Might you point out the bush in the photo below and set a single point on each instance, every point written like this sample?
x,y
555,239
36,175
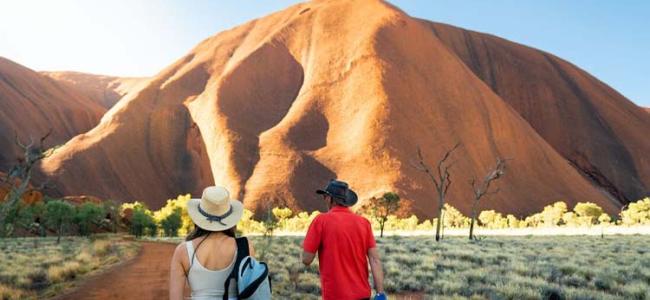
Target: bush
x,y
143,222
588,213
58,215
493,220
247,225
112,211
65,272
30,218
637,213
454,218
172,205
172,223
88,215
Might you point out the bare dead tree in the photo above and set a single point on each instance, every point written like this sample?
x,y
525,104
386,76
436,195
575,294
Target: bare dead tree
x,y
440,177
482,189
20,176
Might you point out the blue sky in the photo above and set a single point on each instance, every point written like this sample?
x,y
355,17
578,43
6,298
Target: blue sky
x,y
610,39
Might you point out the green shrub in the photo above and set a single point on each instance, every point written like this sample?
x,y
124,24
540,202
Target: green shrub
x,y
28,215
88,215
143,223
172,223
59,215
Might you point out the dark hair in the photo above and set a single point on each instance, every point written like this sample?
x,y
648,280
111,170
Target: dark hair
x,y
334,200
198,232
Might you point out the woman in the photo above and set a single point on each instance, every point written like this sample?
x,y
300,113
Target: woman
x,y
208,254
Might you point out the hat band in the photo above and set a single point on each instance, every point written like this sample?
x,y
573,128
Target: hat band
x,y
215,218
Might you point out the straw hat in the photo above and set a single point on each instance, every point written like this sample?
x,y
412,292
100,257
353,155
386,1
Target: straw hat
x,y
215,211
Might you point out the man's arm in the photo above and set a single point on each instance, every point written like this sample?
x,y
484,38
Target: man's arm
x,y
312,241
376,268
308,258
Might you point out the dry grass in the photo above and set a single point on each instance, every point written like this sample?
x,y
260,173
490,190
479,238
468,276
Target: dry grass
x,y
495,267
38,267
572,267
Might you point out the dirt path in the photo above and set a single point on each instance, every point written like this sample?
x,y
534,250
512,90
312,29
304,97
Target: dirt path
x,y
144,277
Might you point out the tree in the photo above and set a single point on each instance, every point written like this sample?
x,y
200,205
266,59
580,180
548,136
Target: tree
x,y
172,223
142,222
58,215
382,207
30,216
637,213
588,213
440,177
170,206
88,215
552,215
483,188
19,178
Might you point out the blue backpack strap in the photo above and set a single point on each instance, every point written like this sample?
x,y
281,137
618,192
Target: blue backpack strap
x,y
242,251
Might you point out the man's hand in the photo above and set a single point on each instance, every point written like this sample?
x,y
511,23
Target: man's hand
x,y
308,258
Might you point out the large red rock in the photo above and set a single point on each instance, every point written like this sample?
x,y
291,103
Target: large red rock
x,y
105,90
275,107
600,132
31,104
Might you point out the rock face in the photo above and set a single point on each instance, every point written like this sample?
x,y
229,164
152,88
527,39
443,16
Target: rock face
x,y
105,90
31,104
274,108
30,196
600,132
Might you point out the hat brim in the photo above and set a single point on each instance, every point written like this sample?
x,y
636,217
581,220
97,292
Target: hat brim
x,y
350,198
202,221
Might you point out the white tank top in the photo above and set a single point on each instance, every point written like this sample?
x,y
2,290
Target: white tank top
x,y
208,284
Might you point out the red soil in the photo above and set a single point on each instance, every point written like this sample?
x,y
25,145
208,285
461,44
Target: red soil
x,y
144,277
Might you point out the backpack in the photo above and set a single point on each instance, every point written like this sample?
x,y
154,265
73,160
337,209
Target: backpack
x,y
251,276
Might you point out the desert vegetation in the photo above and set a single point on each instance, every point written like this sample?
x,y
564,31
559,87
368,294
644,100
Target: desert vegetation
x,y
387,213
35,267
529,267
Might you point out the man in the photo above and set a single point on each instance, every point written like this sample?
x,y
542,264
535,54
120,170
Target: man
x,y
345,245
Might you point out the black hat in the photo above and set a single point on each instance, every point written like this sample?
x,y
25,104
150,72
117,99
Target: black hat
x,y
340,191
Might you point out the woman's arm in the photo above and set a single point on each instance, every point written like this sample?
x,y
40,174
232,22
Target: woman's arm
x,y
177,275
251,250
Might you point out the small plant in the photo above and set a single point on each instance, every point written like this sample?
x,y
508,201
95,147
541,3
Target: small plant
x,y
270,224
172,223
59,215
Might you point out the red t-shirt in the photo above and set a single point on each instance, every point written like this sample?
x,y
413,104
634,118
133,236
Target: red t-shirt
x,y
342,240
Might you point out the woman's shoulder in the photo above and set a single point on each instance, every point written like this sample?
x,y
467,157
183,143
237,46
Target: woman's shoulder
x,y
181,247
